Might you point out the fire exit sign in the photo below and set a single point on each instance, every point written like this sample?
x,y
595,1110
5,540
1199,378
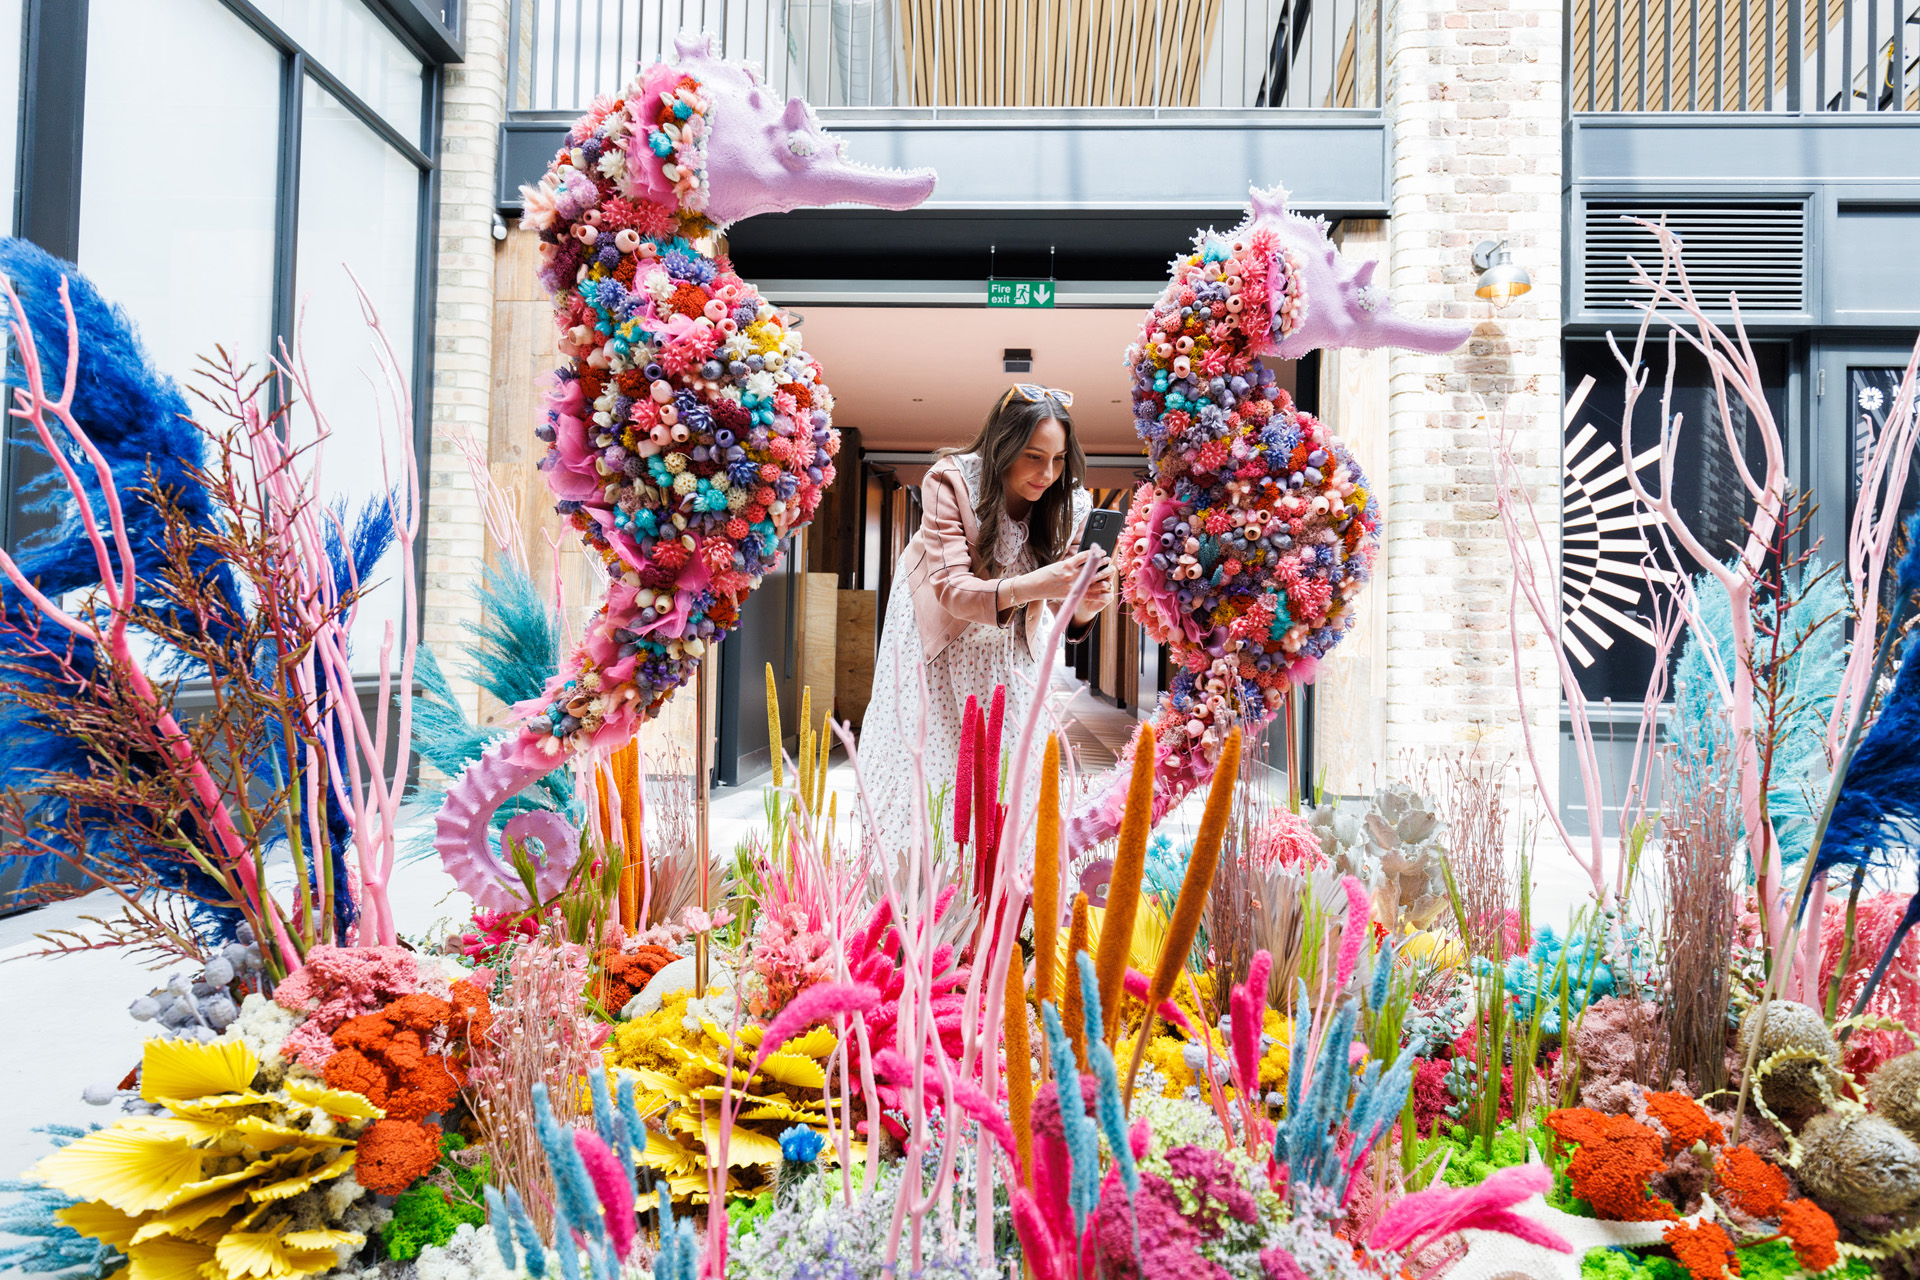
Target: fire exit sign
x,y
1020,293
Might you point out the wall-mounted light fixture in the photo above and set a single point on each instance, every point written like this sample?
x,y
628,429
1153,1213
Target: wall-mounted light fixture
x,y
1500,281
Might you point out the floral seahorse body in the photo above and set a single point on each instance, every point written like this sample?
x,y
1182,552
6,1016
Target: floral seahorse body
x,y
1245,551
688,432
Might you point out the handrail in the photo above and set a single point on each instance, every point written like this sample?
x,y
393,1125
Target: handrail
x,y
1743,56
969,54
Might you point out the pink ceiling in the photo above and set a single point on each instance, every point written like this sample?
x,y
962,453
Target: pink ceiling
x,y
918,378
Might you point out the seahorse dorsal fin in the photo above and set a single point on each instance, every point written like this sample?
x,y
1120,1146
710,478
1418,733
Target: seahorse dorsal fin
x,y
693,44
1271,203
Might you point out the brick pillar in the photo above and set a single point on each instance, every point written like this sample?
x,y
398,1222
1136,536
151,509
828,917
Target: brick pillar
x,y
1474,94
463,333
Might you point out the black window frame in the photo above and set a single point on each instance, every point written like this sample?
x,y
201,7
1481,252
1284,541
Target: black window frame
x,y
52,134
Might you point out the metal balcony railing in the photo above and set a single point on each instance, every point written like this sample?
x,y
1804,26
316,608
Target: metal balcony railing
x,y
1743,55
965,54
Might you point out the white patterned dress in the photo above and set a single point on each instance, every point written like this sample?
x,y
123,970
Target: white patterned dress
x,y
974,663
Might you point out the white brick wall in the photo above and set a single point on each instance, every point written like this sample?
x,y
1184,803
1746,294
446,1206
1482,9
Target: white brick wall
x,y
463,330
1474,92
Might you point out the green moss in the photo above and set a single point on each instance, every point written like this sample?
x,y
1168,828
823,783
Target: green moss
x,y
744,1216
1773,1260
1467,1162
425,1215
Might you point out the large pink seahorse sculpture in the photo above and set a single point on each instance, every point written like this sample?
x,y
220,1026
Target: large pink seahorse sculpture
x,y
688,432
1245,551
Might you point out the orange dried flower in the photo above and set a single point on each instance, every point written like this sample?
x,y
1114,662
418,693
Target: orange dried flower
x,y
625,974
1811,1231
1617,1155
1685,1120
1750,1183
394,1154
1703,1249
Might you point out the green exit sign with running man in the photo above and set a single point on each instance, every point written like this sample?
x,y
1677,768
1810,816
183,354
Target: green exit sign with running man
x,y
1020,293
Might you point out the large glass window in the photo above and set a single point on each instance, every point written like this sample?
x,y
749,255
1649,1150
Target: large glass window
x,y
10,73
359,213
179,175
348,40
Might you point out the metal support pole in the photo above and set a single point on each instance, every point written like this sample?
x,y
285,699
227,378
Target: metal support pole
x,y
702,777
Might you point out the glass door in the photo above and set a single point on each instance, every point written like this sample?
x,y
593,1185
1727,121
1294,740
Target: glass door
x,y
1855,384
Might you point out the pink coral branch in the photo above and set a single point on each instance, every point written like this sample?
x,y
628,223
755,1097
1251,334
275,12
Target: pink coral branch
x,y
33,406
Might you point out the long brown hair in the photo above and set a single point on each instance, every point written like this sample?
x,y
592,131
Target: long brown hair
x,y
1002,438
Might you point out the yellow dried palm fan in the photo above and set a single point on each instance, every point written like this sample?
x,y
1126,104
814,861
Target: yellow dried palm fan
x,y
1149,941
193,1193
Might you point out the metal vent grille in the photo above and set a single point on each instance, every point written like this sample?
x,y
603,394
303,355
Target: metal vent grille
x,y
1755,249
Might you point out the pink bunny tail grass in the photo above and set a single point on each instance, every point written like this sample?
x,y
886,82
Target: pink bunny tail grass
x,y
1354,936
1418,1220
610,1183
967,1097
815,1004
1138,985
1248,1003
1037,1244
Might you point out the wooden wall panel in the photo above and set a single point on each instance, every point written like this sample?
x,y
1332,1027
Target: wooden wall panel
x,y
1350,692
1077,53
854,642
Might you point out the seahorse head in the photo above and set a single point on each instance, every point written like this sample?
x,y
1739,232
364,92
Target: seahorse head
x,y
766,155
1319,299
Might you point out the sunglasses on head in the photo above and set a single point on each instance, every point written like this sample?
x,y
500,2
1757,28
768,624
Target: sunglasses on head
x,y
1035,394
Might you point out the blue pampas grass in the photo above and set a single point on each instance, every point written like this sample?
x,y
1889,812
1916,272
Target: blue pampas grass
x,y
512,654
1816,622
1877,815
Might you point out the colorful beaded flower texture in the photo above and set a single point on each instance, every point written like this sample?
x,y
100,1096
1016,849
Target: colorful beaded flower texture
x,y
1258,530
688,431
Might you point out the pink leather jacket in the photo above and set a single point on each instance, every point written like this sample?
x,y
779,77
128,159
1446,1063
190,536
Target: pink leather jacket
x,y
939,567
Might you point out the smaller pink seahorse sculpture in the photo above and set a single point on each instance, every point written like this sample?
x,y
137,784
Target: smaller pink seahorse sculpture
x,y
1244,553
688,431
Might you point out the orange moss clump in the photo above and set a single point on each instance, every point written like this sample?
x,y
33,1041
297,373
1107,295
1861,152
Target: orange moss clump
x,y
394,1154
409,1059
625,974
1750,1183
1703,1249
1813,1235
1685,1120
1616,1157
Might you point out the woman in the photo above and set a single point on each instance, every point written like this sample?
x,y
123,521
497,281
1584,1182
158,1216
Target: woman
x,y
969,607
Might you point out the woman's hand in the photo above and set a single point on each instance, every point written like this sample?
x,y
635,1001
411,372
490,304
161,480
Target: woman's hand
x,y
1099,596
1052,582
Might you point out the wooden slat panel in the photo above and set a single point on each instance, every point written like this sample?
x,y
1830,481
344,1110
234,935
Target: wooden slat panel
x,y
1076,53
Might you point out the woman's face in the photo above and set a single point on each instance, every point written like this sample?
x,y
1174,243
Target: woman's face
x,y
1040,463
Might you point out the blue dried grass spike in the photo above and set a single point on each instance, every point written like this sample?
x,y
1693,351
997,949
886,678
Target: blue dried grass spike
x,y
530,1241
1382,977
576,1204
1082,1135
1113,1115
502,1223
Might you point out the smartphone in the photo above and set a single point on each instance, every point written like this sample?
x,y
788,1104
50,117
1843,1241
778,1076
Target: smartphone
x,y
1103,530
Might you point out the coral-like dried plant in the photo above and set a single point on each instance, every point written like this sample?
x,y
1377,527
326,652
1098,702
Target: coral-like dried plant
x,y
1702,916
540,1034
1472,802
